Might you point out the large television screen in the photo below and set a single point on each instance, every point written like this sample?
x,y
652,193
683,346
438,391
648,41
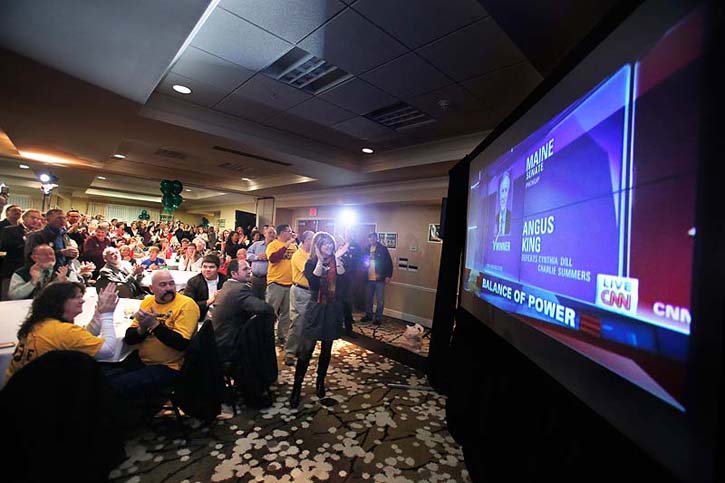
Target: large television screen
x,y
581,216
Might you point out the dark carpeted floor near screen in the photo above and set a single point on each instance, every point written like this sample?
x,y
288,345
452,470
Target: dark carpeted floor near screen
x,y
365,430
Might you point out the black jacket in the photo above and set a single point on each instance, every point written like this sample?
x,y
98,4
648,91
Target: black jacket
x,y
12,241
200,387
234,305
255,360
197,289
60,407
383,262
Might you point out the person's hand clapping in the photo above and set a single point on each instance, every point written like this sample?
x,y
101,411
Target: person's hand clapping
x,y
69,252
138,269
61,274
87,269
107,299
35,273
146,320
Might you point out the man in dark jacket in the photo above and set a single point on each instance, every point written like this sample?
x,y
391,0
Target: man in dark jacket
x,y
235,304
53,235
379,268
12,242
94,246
204,288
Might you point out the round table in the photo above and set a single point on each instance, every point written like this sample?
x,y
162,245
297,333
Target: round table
x,y
180,277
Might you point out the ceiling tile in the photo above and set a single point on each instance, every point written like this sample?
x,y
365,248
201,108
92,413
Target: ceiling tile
x,y
353,43
275,94
308,129
407,76
362,128
202,66
201,93
504,89
236,40
473,51
322,112
292,20
429,20
358,96
246,108
462,109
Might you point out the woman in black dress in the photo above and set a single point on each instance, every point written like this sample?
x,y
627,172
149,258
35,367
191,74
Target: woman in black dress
x,y
323,316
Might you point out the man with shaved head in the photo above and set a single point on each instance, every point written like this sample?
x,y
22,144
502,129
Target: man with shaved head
x,y
161,331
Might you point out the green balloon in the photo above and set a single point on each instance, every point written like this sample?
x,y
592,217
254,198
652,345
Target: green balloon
x,y
177,199
177,187
166,186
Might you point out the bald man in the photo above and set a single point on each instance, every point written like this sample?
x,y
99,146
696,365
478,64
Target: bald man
x,y
161,331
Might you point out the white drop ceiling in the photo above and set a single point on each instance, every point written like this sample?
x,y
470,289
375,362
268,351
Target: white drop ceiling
x,y
89,79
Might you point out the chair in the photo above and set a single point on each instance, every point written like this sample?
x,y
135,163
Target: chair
x,y
255,360
60,415
199,390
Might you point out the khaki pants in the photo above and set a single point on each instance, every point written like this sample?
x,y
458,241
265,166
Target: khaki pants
x,y
278,297
298,299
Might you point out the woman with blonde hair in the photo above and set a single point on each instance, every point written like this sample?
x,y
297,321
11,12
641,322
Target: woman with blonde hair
x,y
323,315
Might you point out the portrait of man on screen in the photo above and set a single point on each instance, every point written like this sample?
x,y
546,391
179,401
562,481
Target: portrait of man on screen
x,y
502,220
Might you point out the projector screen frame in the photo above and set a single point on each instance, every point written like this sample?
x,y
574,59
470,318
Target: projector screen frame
x,y
684,442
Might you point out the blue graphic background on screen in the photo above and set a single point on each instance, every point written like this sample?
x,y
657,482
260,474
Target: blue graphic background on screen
x,y
587,159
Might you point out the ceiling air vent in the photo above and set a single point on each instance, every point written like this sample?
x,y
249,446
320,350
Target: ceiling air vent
x,y
168,153
304,71
400,116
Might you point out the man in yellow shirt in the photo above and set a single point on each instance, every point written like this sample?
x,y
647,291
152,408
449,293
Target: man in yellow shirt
x,y
279,277
162,330
298,298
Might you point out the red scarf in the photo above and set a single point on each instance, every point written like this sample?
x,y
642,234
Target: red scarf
x,y
327,284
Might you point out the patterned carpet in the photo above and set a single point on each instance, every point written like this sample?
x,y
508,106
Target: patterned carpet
x,y
363,431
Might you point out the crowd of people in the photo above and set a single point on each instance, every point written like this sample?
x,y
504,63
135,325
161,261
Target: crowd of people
x,y
299,284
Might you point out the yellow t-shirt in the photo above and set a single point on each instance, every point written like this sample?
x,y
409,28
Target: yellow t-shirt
x,y
51,335
180,315
371,268
280,272
298,267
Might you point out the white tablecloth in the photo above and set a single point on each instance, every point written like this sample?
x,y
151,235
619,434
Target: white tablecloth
x,y
14,312
179,277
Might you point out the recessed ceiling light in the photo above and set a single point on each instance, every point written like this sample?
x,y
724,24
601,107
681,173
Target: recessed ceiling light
x,y
187,189
101,177
367,151
181,89
23,166
246,179
119,156
44,178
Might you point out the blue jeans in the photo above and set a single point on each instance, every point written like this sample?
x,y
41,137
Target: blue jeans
x,y
376,290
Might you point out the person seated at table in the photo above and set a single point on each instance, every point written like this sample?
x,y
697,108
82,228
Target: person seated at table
x,y
154,261
181,249
127,261
50,326
127,282
161,331
234,305
28,281
166,250
191,260
203,288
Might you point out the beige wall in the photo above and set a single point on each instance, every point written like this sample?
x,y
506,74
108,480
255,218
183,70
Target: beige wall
x,y
410,295
227,213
